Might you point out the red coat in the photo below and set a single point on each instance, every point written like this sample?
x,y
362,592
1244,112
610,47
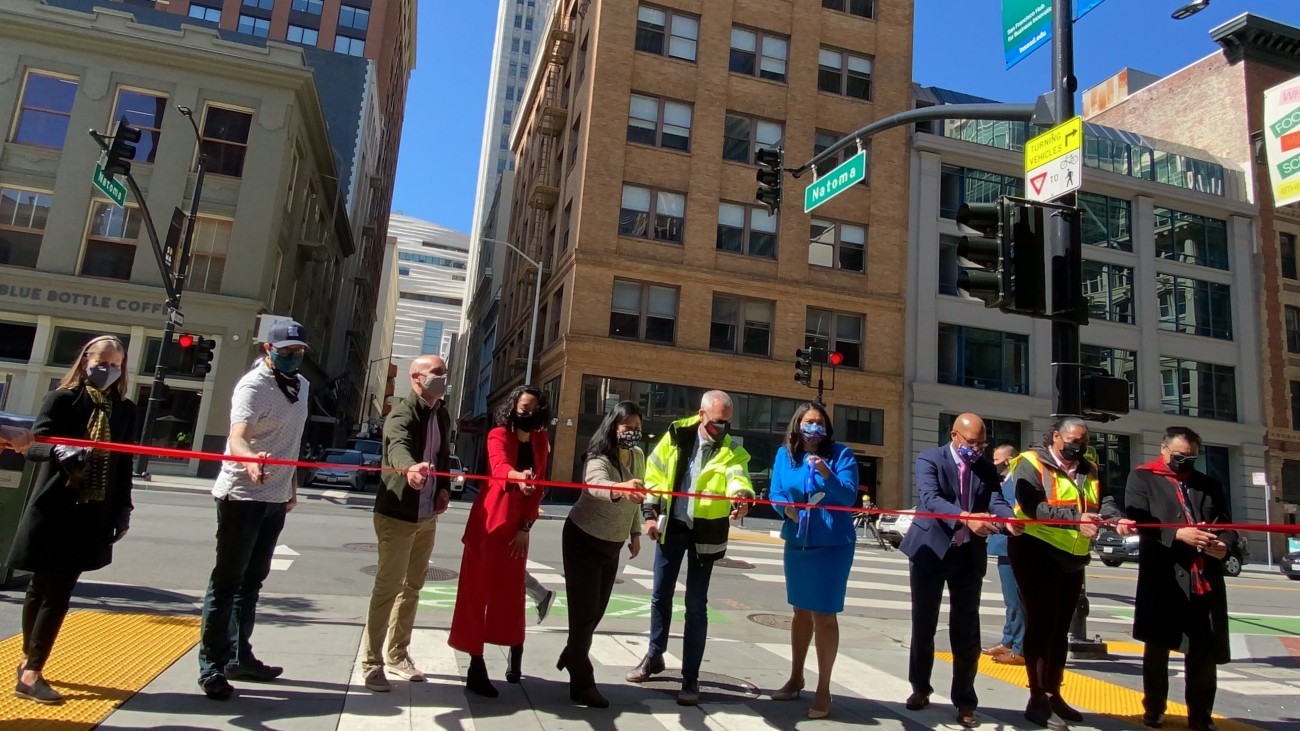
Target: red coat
x,y
490,591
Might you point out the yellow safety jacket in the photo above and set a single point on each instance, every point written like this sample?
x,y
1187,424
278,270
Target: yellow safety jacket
x,y
1062,491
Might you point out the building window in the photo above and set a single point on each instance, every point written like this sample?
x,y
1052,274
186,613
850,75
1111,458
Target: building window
x,y
998,431
659,122
746,230
110,242
208,254
640,311
144,111
299,34
654,25
1109,291
225,139
438,261
16,340
1190,238
1117,362
1215,461
843,73
836,332
1286,243
860,8
1114,460
1291,481
837,246
1295,405
557,307
66,344
859,426
1106,221
45,109
23,214
988,359
966,185
1204,390
359,19
432,299
204,12
743,136
313,7
431,341
742,326
1293,329
758,54
254,26
823,140
403,271
1194,307
349,46
663,222
264,4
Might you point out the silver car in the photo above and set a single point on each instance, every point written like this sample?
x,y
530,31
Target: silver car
x,y
345,474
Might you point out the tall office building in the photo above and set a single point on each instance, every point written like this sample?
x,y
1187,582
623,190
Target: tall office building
x,y
661,277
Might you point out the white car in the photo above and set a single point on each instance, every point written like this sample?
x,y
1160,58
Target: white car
x,y
893,526
457,476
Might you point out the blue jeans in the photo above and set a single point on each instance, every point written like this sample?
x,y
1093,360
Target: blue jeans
x,y
247,532
1013,630
678,544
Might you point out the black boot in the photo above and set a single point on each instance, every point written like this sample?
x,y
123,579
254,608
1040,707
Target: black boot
x,y
476,680
563,662
513,673
587,696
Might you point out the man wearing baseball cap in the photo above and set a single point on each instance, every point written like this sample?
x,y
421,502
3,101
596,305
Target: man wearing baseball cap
x,y
267,413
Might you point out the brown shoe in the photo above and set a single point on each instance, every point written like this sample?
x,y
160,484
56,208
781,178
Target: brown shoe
x,y
966,718
994,651
1009,658
917,701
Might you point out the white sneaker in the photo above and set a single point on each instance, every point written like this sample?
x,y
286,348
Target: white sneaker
x,y
406,670
544,606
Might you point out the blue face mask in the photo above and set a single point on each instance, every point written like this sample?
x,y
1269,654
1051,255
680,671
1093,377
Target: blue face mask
x,y
286,362
969,454
812,433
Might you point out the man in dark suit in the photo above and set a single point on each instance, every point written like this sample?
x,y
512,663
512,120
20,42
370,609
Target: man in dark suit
x,y
957,480
1182,603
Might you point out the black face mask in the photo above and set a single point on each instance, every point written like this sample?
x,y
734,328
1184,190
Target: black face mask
x,y
1181,462
717,430
1072,452
528,422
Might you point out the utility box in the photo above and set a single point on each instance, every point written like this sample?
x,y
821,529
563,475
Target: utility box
x,y
16,475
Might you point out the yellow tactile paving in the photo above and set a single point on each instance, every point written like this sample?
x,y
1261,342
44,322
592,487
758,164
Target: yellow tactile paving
x,y
1098,696
99,661
744,535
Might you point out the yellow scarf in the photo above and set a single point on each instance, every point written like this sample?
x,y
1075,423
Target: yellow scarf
x,y
94,488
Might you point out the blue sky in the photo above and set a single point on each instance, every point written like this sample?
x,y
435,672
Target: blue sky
x,y
958,46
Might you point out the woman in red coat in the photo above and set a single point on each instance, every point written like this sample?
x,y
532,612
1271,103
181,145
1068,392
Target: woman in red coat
x,y
490,594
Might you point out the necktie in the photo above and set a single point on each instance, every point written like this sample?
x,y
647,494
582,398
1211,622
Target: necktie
x,y
963,500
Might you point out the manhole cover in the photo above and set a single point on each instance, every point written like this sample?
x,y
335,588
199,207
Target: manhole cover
x,y
732,563
433,573
714,688
361,546
775,621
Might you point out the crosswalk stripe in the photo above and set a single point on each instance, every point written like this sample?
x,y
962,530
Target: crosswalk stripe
x,y
611,651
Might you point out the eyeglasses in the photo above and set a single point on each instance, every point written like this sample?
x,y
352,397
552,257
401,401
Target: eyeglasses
x,y
972,442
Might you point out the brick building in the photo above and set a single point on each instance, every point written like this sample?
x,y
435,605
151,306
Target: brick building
x,y
1216,104
661,278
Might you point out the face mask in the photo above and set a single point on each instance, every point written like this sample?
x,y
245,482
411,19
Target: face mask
x,y
102,376
528,422
286,362
1072,452
969,454
1181,462
1003,469
717,430
434,387
813,434
630,438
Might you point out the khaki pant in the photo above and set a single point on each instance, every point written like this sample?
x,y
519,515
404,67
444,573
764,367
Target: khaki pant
x,y
404,550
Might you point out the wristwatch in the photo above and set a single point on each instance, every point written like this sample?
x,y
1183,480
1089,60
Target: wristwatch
x,y
527,526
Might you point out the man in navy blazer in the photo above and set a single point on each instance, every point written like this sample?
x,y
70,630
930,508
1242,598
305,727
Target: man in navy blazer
x,y
958,480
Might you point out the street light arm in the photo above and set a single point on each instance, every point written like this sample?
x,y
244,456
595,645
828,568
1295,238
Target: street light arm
x,y
515,249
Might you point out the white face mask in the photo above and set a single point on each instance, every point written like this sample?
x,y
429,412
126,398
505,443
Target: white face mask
x,y
434,387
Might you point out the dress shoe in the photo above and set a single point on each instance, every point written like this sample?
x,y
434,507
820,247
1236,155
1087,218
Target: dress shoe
x,y
476,680
1153,720
966,718
1201,724
1039,712
789,691
689,695
917,701
589,697
994,651
1063,709
216,687
1009,658
648,666
39,691
514,672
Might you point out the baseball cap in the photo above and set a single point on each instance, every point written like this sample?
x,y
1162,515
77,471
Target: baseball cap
x,y
286,333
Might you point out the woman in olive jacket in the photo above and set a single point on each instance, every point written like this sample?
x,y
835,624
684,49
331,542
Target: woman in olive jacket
x,y
80,504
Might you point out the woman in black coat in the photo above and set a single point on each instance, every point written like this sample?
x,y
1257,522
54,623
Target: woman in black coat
x,y
80,504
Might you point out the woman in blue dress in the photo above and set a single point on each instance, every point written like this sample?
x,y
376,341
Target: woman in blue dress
x,y
819,544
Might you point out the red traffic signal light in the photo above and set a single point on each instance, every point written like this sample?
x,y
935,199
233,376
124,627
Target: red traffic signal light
x,y
186,341
837,359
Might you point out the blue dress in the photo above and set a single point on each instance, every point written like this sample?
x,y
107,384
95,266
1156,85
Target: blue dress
x,y
817,563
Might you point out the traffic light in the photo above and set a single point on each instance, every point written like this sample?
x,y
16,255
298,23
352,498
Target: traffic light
x,y
1024,277
122,150
979,252
836,359
770,175
203,348
803,360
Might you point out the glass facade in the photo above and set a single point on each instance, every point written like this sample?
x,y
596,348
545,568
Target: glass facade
x,y
1192,239
1114,462
966,185
1117,362
1195,307
1205,390
1109,291
997,431
987,359
1107,222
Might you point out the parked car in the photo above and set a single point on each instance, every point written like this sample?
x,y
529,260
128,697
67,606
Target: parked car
x,y
893,526
371,451
1290,565
1114,549
457,477
344,475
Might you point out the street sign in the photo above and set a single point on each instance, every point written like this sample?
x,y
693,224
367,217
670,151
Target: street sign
x,y
1054,161
171,247
1282,140
1259,479
844,176
115,191
1027,24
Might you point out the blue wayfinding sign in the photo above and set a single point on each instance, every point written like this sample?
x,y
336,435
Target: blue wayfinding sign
x,y
1027,24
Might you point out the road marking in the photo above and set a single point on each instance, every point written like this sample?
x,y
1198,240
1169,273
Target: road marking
x,y
335,494
285,551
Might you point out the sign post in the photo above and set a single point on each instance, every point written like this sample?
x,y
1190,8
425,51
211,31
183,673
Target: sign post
x,y
844,176
1282,140
1054,162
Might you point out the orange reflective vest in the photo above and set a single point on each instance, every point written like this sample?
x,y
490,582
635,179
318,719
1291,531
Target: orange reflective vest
x,y
1062,491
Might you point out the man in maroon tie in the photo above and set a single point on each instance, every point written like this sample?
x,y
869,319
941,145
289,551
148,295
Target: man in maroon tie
x,y
955,479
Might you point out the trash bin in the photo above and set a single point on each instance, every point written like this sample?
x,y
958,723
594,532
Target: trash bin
x,y
16,475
